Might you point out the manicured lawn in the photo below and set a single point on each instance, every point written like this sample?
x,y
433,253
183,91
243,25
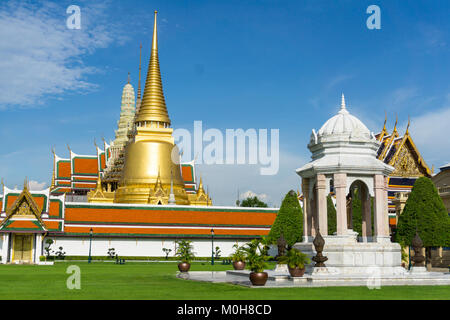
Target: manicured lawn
x,y
105,280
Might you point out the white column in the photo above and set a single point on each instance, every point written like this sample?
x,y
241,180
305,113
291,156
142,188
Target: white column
x,y
381,224
312,214
38,246
321,203
366,214
5,247
340,185
306,209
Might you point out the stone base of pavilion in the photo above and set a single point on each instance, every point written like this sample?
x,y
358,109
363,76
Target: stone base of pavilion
x,y
373,264
347,256
322,279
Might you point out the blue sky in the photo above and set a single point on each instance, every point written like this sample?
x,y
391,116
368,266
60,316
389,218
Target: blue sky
x,y
231,64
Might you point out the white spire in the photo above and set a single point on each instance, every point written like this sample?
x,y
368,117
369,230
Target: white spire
x,y
343,108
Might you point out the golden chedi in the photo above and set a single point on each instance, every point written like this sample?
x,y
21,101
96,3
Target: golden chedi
x,y
149,174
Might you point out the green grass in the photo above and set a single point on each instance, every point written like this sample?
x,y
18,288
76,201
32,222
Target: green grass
x,y
103,280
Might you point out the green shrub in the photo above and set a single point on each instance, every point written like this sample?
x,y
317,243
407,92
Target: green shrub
x,y
289,221
331,213
425,212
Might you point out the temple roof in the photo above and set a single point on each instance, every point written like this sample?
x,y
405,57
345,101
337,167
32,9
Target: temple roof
x,y
394,147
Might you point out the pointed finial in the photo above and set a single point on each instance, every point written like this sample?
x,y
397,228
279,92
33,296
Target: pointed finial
x,y
343,107
128,77
385,120
153,105
68,147
25,184
409,122
432,169
3,184
200,186
99,183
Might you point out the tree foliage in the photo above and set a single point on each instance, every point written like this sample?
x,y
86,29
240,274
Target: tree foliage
x,y
425,212
331,214
357,212
253,202
289,221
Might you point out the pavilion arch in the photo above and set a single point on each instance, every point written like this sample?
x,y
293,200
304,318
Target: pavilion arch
x,y
360,189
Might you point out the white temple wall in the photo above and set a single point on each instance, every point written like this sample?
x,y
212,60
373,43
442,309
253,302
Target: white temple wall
x,y
77,246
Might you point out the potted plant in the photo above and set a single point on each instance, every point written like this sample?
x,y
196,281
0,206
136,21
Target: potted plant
x,y
60,255
256,257
238,258
186,254
48,249
111,253
296,261
167,252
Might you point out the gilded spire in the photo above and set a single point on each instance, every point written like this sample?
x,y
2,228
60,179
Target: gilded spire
x,y
153,105
200,186
395,125
99,184
25,184
407,127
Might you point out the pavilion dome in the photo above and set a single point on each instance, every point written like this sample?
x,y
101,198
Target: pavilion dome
x,y
344,124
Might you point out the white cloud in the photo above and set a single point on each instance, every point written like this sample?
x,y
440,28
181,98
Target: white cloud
x,y
338,80
250,194
36,186
402,95
430,134
40,56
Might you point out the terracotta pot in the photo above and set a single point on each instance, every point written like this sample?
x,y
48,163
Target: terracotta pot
x,y
184,266
258,278
297,272
239,265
